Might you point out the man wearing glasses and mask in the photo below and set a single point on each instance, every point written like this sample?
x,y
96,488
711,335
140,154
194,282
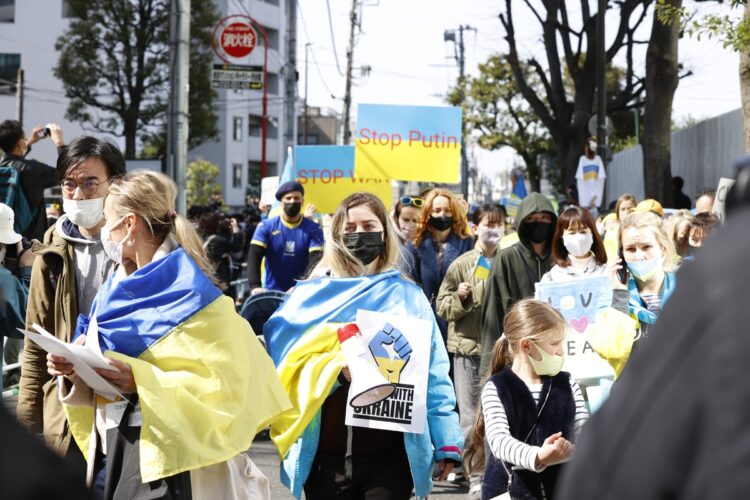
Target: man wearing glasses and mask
x,y
70,268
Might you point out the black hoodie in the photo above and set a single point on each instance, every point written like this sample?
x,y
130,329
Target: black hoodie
x,y
514,273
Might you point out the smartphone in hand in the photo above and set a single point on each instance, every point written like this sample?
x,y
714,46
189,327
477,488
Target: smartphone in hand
x,y
622,274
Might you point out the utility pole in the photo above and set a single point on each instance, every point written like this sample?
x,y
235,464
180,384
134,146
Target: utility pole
x,y
450,36
19,96
601,89
349,64
307,50
177,127
291,75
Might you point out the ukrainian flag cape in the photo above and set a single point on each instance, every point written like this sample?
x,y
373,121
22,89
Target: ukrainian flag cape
x,y
302,340
205,384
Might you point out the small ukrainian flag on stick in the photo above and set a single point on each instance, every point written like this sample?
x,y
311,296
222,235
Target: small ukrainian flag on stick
x,y
482,268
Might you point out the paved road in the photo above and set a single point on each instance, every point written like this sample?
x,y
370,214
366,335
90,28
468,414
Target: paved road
x,y
264,455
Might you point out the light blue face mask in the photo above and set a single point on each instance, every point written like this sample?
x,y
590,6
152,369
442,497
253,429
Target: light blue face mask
x,y
644,270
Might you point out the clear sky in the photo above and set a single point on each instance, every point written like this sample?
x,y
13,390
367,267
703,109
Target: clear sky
x,y
402,42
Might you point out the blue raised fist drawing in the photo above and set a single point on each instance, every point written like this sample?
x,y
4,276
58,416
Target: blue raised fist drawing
x,y
390,367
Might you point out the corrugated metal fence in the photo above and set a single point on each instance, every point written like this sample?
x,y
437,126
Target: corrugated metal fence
x,y
701,154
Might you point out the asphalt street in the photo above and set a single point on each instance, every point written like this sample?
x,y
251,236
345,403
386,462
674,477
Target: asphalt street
x,y
263,453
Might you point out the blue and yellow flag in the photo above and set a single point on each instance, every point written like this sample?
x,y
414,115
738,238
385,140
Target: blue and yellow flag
x,y
302,341
482,268
205,384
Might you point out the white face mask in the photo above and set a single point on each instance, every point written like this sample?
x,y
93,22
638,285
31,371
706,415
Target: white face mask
x,y
491,236
592,146
113,249
84,213
579,244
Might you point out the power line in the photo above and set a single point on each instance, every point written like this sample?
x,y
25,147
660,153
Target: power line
x,y
333,41
312,52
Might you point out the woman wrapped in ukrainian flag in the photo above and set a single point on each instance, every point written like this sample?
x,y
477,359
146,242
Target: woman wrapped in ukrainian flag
x,y
198,383
320,453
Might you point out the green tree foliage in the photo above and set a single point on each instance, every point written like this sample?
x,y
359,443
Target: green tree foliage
x,y
201,182
114,66
498,116
731,30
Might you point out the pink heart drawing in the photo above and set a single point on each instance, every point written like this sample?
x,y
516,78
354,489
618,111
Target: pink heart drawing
x,y
580,324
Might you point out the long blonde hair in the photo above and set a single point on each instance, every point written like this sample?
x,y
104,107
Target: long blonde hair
x,y
340,259
151,196
651,221
527,319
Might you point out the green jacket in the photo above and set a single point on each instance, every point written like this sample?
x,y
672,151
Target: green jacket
x,y
464,319
514,273
53,304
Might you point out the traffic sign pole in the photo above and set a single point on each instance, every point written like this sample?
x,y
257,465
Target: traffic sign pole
x,y
240,43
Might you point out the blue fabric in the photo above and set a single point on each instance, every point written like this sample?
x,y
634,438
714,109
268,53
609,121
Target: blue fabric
x,y
337,300
287,250
638,308
135,311
428,274
519,189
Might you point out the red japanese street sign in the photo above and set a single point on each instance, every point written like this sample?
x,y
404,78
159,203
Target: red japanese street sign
x,y
238,39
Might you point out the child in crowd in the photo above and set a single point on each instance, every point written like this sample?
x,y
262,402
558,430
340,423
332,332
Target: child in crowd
x,y
530,409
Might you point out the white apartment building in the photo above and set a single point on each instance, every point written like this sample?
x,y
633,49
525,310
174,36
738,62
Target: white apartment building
x,y
30,28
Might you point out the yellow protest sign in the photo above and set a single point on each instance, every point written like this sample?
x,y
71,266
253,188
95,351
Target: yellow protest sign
x,y
409,143
327,174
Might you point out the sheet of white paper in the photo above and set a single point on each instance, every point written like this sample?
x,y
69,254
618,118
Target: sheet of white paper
x,y
89,353
71,353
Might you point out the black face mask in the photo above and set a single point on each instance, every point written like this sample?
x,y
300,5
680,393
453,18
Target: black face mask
x,y
440,223
292,209
365,246
538,232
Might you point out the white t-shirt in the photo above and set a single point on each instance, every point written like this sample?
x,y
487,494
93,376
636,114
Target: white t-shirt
x,y
590,176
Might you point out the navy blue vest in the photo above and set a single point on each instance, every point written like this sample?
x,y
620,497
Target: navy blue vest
x,y
558,415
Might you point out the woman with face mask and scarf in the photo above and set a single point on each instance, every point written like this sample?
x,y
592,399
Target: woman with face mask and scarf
x,y
443,236
648,256
321,455
190,384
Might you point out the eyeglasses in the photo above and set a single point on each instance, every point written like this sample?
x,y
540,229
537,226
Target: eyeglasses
x,y
415,202
89,187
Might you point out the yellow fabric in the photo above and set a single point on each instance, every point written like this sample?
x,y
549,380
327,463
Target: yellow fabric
x,y
81,422
205,390
508,240
611,245
612,337
308,373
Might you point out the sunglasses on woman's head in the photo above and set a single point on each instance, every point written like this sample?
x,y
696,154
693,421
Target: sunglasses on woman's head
x,y
415,202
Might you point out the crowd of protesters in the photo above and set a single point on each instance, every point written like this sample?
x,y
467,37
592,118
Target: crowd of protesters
x,y
118,269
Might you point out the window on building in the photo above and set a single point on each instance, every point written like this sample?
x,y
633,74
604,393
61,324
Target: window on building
x,y
9,65
236,175
253,173
237,128
8,11
254,125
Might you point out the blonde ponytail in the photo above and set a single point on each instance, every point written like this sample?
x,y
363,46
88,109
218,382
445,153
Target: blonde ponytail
x,y
151,196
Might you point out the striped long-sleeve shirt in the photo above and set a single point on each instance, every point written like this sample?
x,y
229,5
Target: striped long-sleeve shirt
x,y
504,446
